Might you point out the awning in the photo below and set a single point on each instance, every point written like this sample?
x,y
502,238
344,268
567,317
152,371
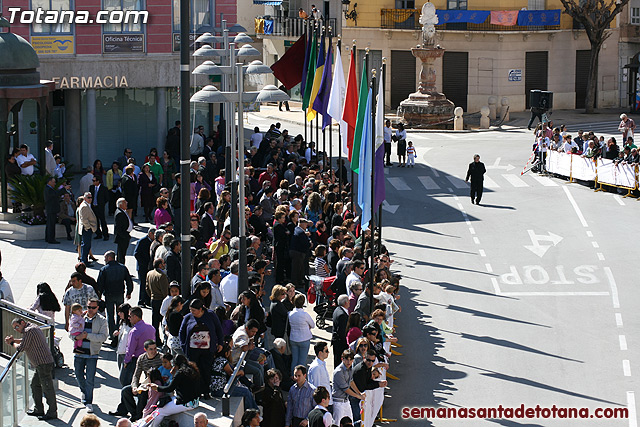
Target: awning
x,y
268,2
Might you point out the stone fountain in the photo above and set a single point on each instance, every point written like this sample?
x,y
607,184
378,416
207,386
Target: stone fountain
x,y
427,106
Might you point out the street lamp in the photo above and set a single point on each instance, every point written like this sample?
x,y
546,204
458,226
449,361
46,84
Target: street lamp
x,y
242,38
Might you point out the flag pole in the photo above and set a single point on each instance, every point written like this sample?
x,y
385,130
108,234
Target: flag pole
x,y
324,141
383,76
340,177
353,182
304,113
321,32
372,250
331,121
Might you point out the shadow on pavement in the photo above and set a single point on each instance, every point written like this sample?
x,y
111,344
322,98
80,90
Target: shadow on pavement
x,y
459,288
422,381
418,245
484,314
484,205
508,344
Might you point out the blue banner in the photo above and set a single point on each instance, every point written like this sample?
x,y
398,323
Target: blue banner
x,y
471,16
268,26
538,17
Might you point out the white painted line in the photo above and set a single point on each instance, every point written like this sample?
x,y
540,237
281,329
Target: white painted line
x,y
619,200
460,206
595,245
614,287
476,240
600,256
547,182
456,198
449,136
467,221
490,183
496,288
482,253
589,234
623,342
471,230
626,368
619,320
515,181
554,294
457,182
428,183
433,170
399,184
631,405
489,268
575,207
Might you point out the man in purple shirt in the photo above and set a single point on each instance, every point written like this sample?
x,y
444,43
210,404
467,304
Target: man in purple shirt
x,y
140,333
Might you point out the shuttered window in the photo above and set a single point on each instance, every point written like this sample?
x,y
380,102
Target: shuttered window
x,y
535,72
403,76
455,77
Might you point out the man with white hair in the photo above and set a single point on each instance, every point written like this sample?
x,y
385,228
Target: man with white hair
x,y
339,335
122,229
229,285
124,422
200,420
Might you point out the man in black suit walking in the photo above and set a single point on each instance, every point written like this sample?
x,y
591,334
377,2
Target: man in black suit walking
x,y
339,335
122,229
476,173
52,207
207,226
100,199
142,253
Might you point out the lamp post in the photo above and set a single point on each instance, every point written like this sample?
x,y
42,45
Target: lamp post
x,y
210,94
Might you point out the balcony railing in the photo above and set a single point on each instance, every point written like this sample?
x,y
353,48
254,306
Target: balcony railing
x,y
290,27
408,19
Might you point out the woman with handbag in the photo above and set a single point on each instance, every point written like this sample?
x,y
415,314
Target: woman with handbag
x,y
401,138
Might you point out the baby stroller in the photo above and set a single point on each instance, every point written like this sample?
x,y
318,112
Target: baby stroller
x,y
320,289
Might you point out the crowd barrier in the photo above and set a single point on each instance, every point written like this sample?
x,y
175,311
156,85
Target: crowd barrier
x,y
602,171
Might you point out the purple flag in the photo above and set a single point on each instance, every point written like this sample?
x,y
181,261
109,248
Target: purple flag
x,y
321,103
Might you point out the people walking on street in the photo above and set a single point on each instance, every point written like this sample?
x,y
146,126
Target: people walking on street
x,y
401,139
140,333
95,333
88,223
122,229
411,155
34,344
158,289
476,172
79,293
112,279
627,126
142,254
98,204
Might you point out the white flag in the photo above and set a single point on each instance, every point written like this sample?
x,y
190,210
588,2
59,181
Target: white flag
x,y
336,99
380,113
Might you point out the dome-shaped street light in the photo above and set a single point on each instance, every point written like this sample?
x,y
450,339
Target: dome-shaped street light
x,y
248,50
208,68
257,67
209,95
242,38
270,93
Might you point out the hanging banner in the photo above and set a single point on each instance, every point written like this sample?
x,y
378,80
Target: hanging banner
x,y
538,17
583,168
471,16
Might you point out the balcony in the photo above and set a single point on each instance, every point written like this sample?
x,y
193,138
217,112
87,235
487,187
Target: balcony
x,y
289,27
408,19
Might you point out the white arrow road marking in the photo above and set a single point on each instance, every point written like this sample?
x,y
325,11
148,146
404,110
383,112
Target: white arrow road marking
x,y
539,249
389,208
496,165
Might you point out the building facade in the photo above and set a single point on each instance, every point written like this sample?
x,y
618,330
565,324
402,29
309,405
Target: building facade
x,y
117,84
483,60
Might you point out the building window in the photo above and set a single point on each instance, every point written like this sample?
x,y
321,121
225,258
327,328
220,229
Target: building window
x,y
635,16
200,16
58,6
456,4
536,5
405,4
127,25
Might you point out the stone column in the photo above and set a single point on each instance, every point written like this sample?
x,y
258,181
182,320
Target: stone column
x,y
92,148
72,129
161,117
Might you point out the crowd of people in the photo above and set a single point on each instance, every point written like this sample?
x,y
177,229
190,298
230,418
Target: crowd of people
x,y
300,223
587,144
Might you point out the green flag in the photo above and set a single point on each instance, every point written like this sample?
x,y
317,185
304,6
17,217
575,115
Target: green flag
x,y
311,72
362,105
